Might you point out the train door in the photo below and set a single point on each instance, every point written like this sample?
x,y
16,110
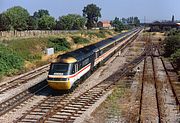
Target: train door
x,y
92,60
76,70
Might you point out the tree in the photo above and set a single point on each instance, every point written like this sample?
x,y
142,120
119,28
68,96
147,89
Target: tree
x,y
32,23
172,43
4,22
136,21
124,20
71,22
40,13
92,13
18,17
130,20
117,24
46,22
133,21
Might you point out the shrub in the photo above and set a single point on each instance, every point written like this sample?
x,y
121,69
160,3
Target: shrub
x,y
10,61
172,43
59,44
175,57
101,34
80,40
109,32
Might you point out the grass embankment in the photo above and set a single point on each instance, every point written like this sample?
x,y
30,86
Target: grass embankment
x,y
20,55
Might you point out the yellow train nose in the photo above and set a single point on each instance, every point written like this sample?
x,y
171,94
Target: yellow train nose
x,y
60,85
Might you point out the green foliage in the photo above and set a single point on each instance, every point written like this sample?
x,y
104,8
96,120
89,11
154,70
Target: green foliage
x,y
117,24
172,43
133,21
40,13
173,32
172,46
29,49
4,22
59,44
71,22
10,61
80,40
32,23
46,22
18,17
108,32
101,34
175,57
136,21
92,13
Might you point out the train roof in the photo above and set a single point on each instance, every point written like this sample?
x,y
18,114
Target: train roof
x,y
80,54
86,51
109,40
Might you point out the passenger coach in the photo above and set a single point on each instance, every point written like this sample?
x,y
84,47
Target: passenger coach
x,y
72,66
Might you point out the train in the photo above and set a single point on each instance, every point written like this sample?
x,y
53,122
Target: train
x,y
70,67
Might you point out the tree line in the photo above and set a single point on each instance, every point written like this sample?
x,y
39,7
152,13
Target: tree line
x,y
18,18
125,23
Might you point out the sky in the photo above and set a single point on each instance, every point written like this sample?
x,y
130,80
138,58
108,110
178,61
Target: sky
x,y
148,10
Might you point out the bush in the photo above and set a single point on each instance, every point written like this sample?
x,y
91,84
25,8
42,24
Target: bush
x,y
109,32
10,61
80,40
175,57
172,43
101,34
172,32
59,44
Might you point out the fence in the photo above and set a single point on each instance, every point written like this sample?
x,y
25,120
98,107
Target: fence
x,y
7,35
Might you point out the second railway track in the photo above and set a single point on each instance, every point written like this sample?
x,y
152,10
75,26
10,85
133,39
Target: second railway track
x,y
154,97
6,86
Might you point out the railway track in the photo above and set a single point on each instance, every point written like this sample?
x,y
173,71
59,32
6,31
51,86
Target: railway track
x,y
22,79
172,82
157,97
149,84
149,97
66,108
20,98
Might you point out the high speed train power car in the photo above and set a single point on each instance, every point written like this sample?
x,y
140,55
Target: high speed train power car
x,y
72,66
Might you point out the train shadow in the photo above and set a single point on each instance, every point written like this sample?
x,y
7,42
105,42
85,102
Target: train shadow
x,y
42,89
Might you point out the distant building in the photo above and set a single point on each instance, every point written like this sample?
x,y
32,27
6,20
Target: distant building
x,y
104,24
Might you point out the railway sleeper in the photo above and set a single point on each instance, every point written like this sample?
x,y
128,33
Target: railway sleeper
x,y
53,120
76,106
68,111
71,108
28,120
64,113
59,116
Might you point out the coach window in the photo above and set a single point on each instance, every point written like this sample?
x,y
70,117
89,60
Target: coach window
x,y
76,67
85,62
